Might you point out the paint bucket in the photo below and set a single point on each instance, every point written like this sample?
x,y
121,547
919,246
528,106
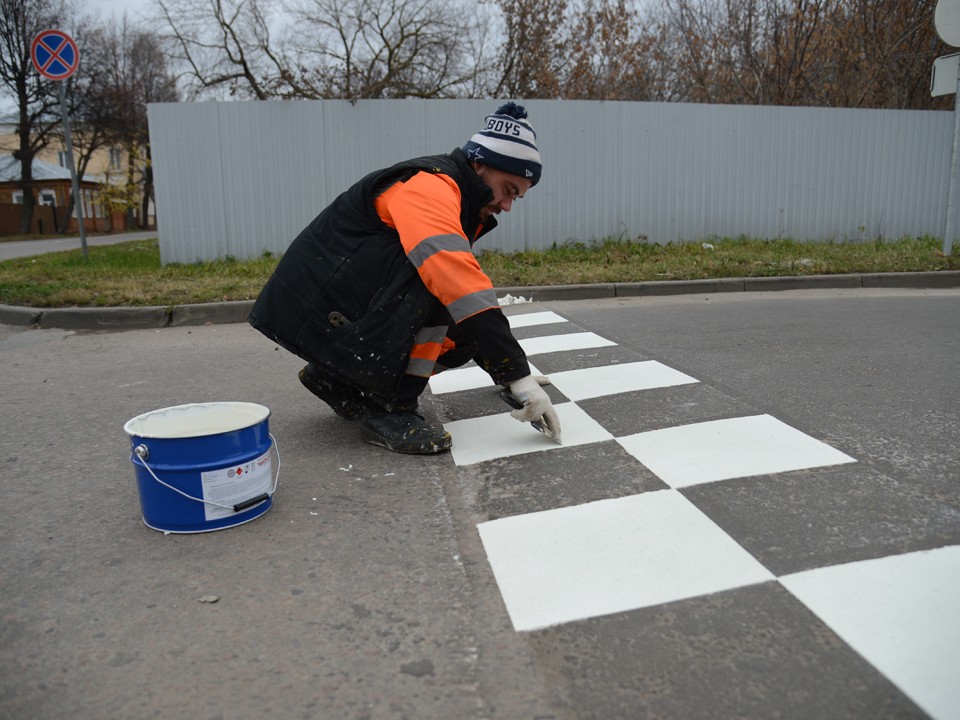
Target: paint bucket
x,y
203,466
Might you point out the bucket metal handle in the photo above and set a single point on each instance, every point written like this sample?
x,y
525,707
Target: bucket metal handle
x,y
142,453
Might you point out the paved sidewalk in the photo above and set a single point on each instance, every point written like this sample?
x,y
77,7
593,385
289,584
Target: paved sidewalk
x,y
29,248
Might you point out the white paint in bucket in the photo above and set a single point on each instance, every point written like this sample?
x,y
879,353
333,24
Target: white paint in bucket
x,y
196,419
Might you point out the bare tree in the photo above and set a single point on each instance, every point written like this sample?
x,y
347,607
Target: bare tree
x,y
749,51
695,27
222,44
380,48
847,53
35,97
532,52
128,71
609,53
882,52
324,48
664,48
860,53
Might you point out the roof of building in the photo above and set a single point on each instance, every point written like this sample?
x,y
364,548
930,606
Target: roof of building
x,y
10,171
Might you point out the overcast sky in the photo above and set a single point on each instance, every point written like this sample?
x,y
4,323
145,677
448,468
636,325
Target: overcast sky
x,y
106,8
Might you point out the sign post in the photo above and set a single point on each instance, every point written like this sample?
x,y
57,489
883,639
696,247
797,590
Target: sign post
x,y
946,19
56,57
953,203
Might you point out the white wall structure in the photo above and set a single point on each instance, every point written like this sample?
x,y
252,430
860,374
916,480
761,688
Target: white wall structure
x,y
242,178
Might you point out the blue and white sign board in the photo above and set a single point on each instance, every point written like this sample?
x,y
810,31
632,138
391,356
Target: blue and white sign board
x,y
55,55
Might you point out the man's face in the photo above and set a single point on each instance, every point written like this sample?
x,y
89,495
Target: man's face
x,y
506,188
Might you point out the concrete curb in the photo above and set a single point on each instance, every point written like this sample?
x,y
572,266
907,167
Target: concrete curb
x,y
920,280
16,315
138,318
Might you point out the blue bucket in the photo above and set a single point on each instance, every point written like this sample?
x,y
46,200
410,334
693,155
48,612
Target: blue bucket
x,y
203,466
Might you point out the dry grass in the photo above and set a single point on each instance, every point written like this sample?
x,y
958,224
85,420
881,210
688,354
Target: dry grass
x,y
131,274
617,261
126,274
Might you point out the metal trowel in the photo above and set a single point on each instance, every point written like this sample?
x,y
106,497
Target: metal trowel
x,y
510,399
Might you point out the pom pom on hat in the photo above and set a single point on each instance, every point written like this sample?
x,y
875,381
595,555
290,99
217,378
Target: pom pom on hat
x,y
507,142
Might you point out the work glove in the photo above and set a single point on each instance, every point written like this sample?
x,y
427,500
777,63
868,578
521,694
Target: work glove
x,y
536,403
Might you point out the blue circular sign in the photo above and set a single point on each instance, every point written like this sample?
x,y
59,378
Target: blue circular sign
x,y
55,54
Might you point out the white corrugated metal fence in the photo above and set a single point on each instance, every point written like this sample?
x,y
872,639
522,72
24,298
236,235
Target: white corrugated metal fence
x,y
241,178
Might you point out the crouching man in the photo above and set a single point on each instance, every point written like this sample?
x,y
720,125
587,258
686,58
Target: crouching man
x,y
382,290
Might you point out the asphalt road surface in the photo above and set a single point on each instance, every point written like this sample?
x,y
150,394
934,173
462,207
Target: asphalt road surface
x,y
755,513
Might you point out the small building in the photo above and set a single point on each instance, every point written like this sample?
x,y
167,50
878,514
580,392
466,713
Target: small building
x,y
53,186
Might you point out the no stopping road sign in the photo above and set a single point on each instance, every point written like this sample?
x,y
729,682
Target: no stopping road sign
x,y
54,54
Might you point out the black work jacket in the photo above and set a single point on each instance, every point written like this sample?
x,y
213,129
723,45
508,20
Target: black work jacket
x,y
345,296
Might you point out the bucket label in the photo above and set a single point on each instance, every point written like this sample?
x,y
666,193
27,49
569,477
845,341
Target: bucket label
x,y
234,484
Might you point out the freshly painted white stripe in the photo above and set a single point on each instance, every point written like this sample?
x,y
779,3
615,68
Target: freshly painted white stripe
x,y
724,449
901,613
468,378
536,318
609,556
557,343
612,379
497,436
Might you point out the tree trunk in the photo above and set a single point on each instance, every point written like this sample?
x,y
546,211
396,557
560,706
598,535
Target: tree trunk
x,y
26,185
131,206
26,210
147,191
64,219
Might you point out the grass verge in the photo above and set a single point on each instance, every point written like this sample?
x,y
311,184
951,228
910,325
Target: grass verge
x,y
131,274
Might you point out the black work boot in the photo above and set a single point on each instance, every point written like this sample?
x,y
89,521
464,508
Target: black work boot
x,y
404,431
346,403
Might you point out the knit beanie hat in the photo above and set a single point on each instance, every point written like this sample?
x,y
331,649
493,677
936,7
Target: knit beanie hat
x,y
507,142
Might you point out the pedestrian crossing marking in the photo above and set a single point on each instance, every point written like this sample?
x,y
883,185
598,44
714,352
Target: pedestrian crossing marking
x,y
724,449
495,436
467,378
901,613
613,379
561,343
535,318
608,556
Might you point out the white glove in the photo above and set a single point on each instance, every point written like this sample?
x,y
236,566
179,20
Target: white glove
x,y
536,404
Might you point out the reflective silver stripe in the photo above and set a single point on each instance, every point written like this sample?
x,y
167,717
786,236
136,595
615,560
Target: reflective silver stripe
x,y
430,246
430,335
420,367
472,304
